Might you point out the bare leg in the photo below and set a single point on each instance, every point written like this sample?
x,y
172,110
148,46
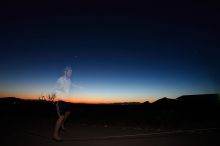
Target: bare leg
x,y
57,127
66,115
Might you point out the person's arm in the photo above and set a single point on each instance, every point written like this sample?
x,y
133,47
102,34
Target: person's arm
x,y
76,86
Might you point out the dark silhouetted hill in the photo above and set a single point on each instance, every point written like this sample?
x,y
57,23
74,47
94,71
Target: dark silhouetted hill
x,y
164,103
199,100
10,100
184,111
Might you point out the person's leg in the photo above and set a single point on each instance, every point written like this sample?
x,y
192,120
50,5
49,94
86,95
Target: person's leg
x,y
66,115
57,127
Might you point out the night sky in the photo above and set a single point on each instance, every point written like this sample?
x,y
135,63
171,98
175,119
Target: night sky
x,y
119,52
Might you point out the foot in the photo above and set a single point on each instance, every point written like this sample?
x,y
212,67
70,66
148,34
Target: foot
x,y
57,138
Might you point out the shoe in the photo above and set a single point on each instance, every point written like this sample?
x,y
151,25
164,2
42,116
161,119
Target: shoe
x,y
57,139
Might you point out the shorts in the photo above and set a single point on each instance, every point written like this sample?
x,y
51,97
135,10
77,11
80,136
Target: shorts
x,y
62,107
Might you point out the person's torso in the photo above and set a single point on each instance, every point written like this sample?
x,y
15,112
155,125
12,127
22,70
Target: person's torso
x,y
63,88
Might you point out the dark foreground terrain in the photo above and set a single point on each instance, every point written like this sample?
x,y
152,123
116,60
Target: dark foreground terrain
x,y
187,120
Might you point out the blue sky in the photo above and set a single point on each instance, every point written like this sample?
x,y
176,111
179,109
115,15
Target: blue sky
x,y
134,76
130,57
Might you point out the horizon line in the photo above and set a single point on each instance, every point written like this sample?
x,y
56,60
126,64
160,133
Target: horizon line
x,y
121,102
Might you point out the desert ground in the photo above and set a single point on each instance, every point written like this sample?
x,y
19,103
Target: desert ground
x,y
37,131
163,123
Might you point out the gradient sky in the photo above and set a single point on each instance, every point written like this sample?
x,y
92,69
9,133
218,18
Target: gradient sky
x,y
119,53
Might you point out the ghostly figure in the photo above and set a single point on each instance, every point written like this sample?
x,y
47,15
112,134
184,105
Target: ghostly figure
x,y
63,85
62,89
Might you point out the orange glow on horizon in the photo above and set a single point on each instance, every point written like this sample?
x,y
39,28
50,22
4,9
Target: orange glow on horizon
x,y
18,95
86,100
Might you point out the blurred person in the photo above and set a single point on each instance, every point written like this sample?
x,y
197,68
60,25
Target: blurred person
x,y
62,89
